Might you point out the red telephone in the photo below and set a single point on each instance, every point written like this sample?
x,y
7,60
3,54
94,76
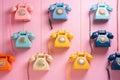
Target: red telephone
x,y
5,60
22,12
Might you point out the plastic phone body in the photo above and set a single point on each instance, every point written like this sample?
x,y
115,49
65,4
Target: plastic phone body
x,y
81,60
41,61
23,39
22,12
102,11
102,38
61,38
59,11
5,61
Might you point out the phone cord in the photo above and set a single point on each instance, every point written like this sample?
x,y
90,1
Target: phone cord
x,y
28,76
10,33
107,69
2,25
90,43
50,22
68,70
117,22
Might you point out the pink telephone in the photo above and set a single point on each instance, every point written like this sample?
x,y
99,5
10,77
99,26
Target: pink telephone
x,y
22,12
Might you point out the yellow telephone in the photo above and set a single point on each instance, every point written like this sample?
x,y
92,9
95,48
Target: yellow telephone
x,y
62,38
81,60
41,61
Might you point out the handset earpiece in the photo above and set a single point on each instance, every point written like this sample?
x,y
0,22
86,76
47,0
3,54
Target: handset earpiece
x,y
109,8
94,35
29,8
13,9
110,35
67,7
70,35
32,58
111,57
89,57
15,36
31,36
52,7
11,58
93,8
73,57
49,58
54,35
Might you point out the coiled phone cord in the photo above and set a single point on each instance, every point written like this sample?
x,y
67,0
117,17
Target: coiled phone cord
x,y
117,46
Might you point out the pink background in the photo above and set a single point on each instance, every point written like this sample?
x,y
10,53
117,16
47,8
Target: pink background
x,y
40,27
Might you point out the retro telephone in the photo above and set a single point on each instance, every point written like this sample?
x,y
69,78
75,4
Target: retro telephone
x,y
102,11
59,11
102,38
61,38
22,12
115,60
23,39
5,60
81,60
41,61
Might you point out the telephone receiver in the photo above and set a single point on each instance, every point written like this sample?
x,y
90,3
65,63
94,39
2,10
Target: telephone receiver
x,y
53,7
101,32
5,60
30,35
101,5
22,6
74,56
113,56
46,56
115,61
56,34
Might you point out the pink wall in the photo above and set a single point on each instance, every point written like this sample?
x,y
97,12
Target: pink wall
x,y
58,67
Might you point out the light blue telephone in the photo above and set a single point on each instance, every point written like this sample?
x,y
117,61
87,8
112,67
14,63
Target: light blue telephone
x,y
59,11
23,39
102,11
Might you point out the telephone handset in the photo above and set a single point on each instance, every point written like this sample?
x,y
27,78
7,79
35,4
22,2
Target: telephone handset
x,y
102,11
59,11
5,60
23,39
80,60
41,61
102,38
115,61
22,12
62,38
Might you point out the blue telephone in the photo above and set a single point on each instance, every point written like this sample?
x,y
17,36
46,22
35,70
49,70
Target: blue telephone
x,y
102,11
59,11
23,39
115,59
102,38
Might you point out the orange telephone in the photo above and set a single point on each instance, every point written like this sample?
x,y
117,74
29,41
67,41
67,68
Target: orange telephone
x,y
81,60
62,38
5,60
